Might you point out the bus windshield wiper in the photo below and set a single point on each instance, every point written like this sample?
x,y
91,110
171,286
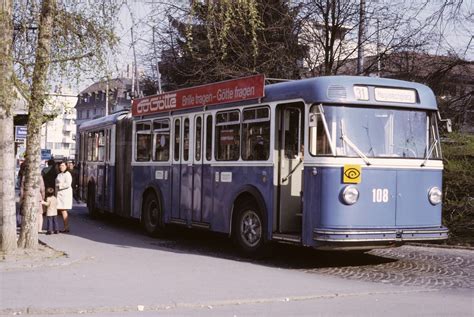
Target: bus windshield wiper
x,y
428,154
355,148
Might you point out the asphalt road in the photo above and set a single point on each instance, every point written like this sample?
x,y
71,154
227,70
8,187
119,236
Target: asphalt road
x,y
112,269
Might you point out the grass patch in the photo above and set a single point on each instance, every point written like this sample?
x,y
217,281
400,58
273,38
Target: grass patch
x,y
458,184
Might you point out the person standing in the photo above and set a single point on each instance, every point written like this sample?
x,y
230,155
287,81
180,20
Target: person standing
x,y
75,179
49,174
51,211
64,194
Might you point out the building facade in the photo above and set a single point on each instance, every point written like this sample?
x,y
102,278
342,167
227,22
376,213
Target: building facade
x,y
59,134
102,98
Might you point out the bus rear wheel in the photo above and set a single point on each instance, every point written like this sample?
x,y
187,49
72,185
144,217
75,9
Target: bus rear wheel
x,y
152,215
248,231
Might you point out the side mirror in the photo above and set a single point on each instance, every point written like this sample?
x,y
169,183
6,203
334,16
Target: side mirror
x,y
449,125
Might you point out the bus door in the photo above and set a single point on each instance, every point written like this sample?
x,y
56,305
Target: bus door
x,y
101,169
290,166
182,170
197,177
108,189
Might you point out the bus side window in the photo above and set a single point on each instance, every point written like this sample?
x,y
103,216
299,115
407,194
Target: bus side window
x,y
209,137
256,134
198,134
228,136
90,145
100,146
143,141
186,140
318,140
177,138
161,132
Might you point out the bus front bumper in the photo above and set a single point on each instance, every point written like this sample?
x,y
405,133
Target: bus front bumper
x,y
375,238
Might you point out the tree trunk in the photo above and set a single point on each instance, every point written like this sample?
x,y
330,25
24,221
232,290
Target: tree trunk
x,y
29,229
7,156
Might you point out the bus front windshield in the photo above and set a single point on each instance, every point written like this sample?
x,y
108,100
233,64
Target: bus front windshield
x,y
381,132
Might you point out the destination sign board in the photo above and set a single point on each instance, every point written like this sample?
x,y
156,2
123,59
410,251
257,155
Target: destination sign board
x,y
229,91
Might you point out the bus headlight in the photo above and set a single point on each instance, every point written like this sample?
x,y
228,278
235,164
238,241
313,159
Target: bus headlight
x,y
350,195
435,195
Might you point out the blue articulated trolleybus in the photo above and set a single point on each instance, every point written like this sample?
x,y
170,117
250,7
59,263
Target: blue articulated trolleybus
x,y
335,162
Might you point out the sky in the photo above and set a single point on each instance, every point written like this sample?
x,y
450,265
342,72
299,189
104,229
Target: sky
x,y
135,14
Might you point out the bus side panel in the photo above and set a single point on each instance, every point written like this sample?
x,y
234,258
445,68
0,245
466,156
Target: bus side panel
x,y
207,193
311,204
175,193
123,169
91,178
157,177
186,195
413,206
231,181
110,188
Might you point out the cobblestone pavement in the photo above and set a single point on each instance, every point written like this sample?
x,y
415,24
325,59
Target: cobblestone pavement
x,y
430,267
413,266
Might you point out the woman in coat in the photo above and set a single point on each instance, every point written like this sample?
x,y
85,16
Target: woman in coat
x,y
64,193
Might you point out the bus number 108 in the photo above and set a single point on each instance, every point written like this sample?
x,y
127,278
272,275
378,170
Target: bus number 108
x,y
380,195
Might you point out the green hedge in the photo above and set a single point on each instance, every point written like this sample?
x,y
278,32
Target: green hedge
x,y
458,187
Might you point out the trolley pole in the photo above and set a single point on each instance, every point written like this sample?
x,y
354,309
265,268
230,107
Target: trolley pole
x,y
361,39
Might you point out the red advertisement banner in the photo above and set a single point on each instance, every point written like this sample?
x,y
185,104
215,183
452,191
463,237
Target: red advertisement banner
x,y
212,94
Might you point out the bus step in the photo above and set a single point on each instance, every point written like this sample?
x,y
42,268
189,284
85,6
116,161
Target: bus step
x,y
293,238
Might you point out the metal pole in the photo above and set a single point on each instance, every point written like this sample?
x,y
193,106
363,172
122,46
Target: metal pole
x,y
135,62
379,64
158,75
107,97
360,48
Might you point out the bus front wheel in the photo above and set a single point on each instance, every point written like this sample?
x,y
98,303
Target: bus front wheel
x,y
152,215
248,231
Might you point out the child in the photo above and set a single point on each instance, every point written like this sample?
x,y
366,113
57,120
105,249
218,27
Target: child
x,y
51,211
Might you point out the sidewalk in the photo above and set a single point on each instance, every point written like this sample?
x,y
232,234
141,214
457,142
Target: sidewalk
x,y
114,268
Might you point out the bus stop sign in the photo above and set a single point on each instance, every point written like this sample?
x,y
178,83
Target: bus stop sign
x,y
45,154
20,133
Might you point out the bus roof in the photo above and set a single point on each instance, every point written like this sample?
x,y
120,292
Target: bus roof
x,y
103,121
340,89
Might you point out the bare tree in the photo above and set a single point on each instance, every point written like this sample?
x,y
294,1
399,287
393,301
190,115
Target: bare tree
x,y
7,189
29,229
54,40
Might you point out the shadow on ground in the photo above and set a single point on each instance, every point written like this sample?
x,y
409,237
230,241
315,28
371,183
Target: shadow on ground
x,y
193,241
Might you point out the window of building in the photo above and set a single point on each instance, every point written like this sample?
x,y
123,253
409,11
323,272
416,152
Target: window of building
x,y
161,136
143,141
228,136
256,134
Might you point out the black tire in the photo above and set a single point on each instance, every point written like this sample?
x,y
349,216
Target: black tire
x,y
91,201
152,215
249,230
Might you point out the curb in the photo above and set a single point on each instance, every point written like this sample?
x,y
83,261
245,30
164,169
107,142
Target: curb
x,y
440,246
